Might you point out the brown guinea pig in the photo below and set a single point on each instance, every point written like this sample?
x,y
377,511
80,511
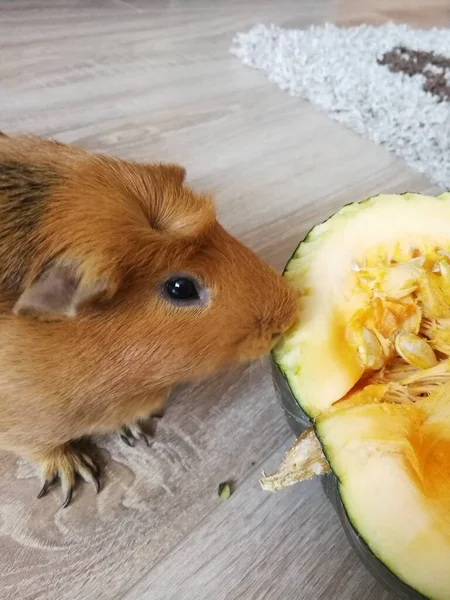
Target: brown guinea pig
x,y
116,283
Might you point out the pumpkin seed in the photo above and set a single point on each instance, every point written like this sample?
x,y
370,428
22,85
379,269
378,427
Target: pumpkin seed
x,y
415,351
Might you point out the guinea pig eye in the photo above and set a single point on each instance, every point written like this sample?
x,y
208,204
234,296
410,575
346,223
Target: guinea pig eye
x,y
182,289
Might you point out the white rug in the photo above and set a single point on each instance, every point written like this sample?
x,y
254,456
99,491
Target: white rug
x,y
372,79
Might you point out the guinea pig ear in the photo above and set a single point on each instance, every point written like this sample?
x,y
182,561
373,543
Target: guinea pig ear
x,y
173,207
171,173
59,292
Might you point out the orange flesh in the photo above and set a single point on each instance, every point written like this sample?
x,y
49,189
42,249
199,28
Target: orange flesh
x,y
419,312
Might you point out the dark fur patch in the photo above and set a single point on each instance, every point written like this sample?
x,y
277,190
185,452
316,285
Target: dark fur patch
x,y
24,192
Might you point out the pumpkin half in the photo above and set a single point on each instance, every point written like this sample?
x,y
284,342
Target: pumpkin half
x,y
369,363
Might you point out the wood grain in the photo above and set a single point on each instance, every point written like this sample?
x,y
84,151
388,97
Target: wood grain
x,y
417,13
154,80
261,546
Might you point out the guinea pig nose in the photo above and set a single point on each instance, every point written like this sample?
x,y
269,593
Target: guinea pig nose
x,y
276,335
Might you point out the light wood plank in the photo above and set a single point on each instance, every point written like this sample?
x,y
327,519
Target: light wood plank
x,y
418,13
263,546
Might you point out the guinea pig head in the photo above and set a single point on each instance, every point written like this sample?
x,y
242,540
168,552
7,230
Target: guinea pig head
x,y
140,261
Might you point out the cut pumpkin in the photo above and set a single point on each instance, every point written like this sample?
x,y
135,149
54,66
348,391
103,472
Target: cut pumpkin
x,y
369,363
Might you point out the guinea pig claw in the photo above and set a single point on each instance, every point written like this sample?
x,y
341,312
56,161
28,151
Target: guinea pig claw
x,y
127,439
66,463
144,438
133,433
68,498
45,487
89,472
96,482
90,464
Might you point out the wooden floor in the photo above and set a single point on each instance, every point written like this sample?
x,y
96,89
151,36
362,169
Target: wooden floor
x,y
154,80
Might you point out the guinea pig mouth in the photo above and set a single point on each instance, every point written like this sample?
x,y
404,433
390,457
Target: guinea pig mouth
x,y
257,348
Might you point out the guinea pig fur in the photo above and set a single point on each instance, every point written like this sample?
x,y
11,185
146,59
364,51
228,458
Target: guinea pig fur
x,y
116,283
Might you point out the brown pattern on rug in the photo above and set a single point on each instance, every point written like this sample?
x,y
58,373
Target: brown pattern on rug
x,y
434,67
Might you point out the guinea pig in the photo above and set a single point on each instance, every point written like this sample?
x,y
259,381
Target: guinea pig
x,y
116,283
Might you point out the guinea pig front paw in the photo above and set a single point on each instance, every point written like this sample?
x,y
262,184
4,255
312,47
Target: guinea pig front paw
x,y
130,434
65,463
